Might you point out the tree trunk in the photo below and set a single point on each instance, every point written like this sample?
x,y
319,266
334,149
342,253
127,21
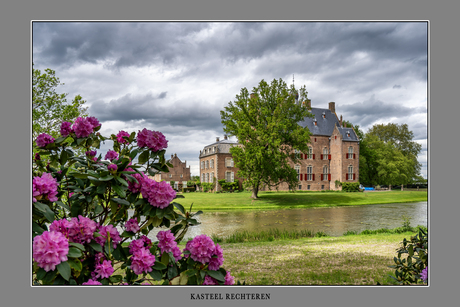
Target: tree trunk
x,y
402,187
255,190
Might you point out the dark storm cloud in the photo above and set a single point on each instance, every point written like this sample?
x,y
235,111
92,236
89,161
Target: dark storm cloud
x,y
155,109
369,111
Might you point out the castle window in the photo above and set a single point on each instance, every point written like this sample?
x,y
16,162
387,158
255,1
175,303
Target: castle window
x,y
350,175
325,175
228,162
212,163
350,153
202,164
212,178
207,177
310,173
324,155
207,164
297,169
229,176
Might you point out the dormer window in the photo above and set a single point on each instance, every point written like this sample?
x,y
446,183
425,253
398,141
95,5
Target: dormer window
x,y
316,123
324,115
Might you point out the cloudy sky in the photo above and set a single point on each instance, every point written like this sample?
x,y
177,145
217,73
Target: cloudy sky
x,y
175,77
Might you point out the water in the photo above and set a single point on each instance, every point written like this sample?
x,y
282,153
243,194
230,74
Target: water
x,y
334,221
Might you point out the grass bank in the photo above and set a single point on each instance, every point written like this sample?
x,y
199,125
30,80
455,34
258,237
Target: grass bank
x,y
345,260
209,202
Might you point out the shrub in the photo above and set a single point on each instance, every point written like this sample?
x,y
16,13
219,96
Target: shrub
x,y
408,269
80,214
350,186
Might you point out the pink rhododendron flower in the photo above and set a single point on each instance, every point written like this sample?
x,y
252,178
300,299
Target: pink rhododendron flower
x,y
82,127
132,225
158,194
111,155
91,283
209,281
104,270
229,279
114,235
424,274
93,121
133,186
201,248
142,242
79,230
120,136
142,261
91,153
112,167
44,139
66,128
45,187
37,157
215,263
167,244
154,140
50,249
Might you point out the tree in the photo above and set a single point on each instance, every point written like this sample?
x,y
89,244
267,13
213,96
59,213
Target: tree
x,y
400,137
266,123
49,108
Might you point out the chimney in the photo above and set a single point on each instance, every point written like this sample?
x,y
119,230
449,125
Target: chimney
x,y
225,137
217,139
172,156
340,121
332,106
307,103
175,155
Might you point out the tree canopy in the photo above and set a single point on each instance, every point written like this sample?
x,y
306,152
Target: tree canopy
x,y
266,123
49,108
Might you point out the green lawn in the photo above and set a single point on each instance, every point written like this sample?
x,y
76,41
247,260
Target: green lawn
x,y
345,260
285,200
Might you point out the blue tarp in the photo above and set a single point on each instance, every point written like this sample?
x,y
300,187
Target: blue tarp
x,y
369,189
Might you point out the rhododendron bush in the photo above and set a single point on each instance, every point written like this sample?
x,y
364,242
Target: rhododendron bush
x,y
91,217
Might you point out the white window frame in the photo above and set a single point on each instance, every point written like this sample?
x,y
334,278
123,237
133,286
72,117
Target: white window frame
x,y
212,163
202,164
325,173
297,169
325,153
310,153
229,162
310,174
350,172
211,179
350,152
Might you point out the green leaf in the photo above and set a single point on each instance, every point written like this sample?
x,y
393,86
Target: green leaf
x,y
98,209
49,215
62,205
106,178
115,278
77,245
75,264
179,196
41,274
121,181
101,188
133,153
156,275
119,190
49,276
74,252
160,213
179,207
159,266
64,270
143,157
96,246
37,228
127,234
165,259
217,275
63,158
121,201
40,206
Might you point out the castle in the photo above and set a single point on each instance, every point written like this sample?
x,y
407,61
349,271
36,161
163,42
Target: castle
x,y
333,155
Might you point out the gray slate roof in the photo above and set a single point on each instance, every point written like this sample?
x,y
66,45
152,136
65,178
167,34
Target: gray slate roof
x,y
222,147
325,126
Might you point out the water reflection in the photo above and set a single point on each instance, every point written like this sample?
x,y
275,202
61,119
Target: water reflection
x,y
334,221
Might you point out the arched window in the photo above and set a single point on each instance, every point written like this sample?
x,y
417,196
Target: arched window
x,y
350,172
310,153
310,173
207,177
297,169
325,155
350,152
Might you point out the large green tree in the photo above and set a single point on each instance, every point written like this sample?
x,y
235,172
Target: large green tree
x,y
49,108
401,138
266,123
